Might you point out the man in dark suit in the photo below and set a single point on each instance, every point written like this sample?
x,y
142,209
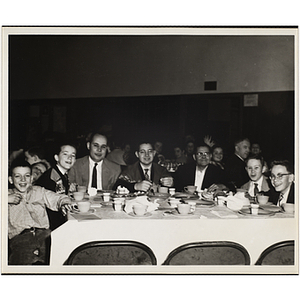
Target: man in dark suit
x,y
201,174
144,173
94,170
235,167
282,179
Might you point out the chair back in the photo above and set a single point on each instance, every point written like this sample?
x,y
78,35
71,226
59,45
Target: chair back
x,y
112,253
282,253
209,253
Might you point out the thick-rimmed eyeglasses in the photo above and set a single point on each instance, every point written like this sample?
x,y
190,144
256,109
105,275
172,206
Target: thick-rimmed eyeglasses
x,y
202,154
279,176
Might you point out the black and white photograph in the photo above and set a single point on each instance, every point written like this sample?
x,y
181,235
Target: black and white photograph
x,y
150,150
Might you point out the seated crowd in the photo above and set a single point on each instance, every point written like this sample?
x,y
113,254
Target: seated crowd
x,y
38,197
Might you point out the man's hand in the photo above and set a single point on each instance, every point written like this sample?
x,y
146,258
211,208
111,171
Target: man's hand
x,y
72,187
208,141
144,186
167,181
14,198
65,208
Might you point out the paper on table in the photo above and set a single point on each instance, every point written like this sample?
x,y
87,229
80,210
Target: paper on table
x,y
223,214
141,200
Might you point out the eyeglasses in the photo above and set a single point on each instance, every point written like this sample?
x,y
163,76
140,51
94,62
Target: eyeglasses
x,y
279,176
203,154
144,152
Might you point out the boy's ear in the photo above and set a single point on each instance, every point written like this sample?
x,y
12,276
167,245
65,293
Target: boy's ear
x,y
35,157
136,154
88,145
264,169
56,157
10,180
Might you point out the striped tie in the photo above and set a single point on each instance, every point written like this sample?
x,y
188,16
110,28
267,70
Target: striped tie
x,y
147,175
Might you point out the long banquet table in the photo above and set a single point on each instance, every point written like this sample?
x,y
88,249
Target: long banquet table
x,y
163,233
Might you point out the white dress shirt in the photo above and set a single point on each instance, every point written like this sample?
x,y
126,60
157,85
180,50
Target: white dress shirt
x,y
199,176
285,196
149,170
99,173
251,187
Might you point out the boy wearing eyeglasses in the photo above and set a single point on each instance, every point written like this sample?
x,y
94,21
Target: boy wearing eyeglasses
x,y
95,170
144,173
282,179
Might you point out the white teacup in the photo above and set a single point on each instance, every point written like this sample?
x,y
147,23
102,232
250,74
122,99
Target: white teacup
x,y
163,190
78,195
262,200
289,207
84,206
184,208
190,189
192,205
139,209
171,191
81,188
106,197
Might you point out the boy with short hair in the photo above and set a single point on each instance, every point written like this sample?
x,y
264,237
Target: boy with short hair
x,y
28,224
258,183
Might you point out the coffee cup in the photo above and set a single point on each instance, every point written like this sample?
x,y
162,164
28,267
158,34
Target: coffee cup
x,y
81,188
139,209
190,189
262,200
171,191
106,197
163,190
78,195
289,208
83,206
254,209
192,205
184,208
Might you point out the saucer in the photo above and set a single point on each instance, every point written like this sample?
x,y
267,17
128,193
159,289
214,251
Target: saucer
x,y
91,210
177,214
143,216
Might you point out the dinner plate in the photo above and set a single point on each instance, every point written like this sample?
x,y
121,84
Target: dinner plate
x,y
91,210
261,213
146,215
271,207
109,203
101,192
186,196
177,214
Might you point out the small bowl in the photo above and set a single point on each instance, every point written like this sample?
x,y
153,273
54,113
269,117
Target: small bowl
x,y
289,208
78,195
262,200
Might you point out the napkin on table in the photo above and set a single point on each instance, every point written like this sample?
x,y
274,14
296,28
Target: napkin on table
x,y
141,200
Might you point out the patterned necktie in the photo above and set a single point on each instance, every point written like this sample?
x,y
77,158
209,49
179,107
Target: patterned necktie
x,y
280,199
256,190
94,176
146,174
67,183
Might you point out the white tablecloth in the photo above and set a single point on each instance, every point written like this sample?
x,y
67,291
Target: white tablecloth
x,y
164,233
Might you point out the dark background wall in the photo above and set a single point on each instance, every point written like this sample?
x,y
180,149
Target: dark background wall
x,y
154,85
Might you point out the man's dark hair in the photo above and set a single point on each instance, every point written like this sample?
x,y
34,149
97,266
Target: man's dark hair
x,y
203,145
240,139
138,144
257,157
19,162
58,146
36,150
285,163
40,162
96,133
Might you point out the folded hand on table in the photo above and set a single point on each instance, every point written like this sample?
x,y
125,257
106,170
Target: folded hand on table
x,y
144,186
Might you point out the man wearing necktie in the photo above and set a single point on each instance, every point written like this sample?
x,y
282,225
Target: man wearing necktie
x,y
282,178
144,173
258,183
94,170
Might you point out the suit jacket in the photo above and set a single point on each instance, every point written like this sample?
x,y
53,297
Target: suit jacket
x,y
235,172
185,175
274,196
265,186
79,173
134,173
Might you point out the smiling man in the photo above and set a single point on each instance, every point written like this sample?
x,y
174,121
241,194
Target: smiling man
x,y
282,178
94,170
141,175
